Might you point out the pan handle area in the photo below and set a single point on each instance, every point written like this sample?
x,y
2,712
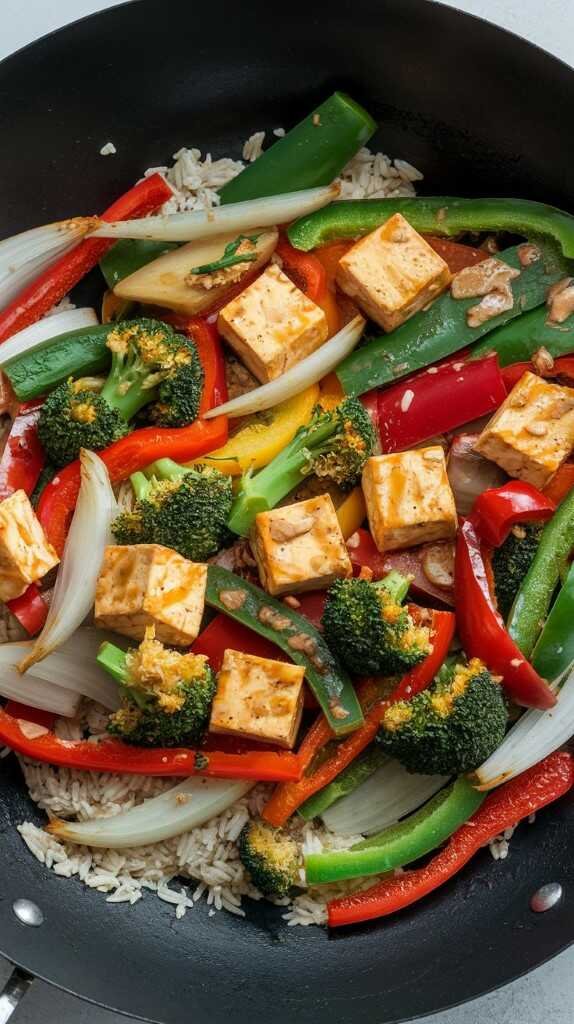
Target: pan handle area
x,y
13,992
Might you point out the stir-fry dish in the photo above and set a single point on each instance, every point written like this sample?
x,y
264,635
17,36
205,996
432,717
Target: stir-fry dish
x,y
286,528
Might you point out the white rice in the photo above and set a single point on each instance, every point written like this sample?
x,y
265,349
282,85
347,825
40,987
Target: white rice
x,y
205,859
196,179
202,863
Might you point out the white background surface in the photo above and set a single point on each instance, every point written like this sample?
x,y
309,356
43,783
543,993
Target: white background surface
x,y
546,996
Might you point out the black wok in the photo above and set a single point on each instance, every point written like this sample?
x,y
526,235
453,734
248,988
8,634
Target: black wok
x,y
481,112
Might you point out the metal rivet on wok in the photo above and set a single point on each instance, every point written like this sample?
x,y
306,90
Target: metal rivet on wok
x,y
28,913
546,897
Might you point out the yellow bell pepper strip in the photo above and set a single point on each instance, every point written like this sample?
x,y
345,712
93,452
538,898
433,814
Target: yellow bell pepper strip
x,y
437,215
331,393
352,512
261,437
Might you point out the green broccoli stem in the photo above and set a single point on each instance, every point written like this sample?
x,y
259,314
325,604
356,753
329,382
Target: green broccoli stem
x,y
141,485
396,585
126,389
113,660
166,469
264,490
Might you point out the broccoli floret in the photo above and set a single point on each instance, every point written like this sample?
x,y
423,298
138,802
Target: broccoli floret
x,y
72,418
153,366
270,858
511,561
369,630
166,696
183,509
334,445
450,728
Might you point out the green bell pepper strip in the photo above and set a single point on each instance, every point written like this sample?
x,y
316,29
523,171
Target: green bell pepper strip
x,y
553,654
531,604
79,353
518,340
437,215
400,844
129,255
296,637
311,154
347,782
442,330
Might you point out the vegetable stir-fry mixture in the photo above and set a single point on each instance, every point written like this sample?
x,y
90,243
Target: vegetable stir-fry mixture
x,y
286,538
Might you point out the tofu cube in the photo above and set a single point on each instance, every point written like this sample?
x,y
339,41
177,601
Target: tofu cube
x,y
148,585
300,547
272,325
409,498
392,273
258,698
25,554
532,433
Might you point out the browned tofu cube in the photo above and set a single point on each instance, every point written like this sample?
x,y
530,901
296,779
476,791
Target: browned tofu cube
x,y
300,547
272,325
392,273
409,498
25,553
148,585
258,698
532,433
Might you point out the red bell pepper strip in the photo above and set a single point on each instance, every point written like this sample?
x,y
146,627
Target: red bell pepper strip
x,y
562,369
30,609
370,401
497,510
289,796
438,400
330,256
55,282
223,632
308,273
482,630
561,483
113,756
23,456
364,554
503,808
141,447
20,467
27,714
457,256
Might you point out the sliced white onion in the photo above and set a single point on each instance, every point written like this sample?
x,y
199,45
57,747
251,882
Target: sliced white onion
x,y
381,800
24,256
59,681
186,806
187,227
45,330
81,561
298,378
535,735
30,689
